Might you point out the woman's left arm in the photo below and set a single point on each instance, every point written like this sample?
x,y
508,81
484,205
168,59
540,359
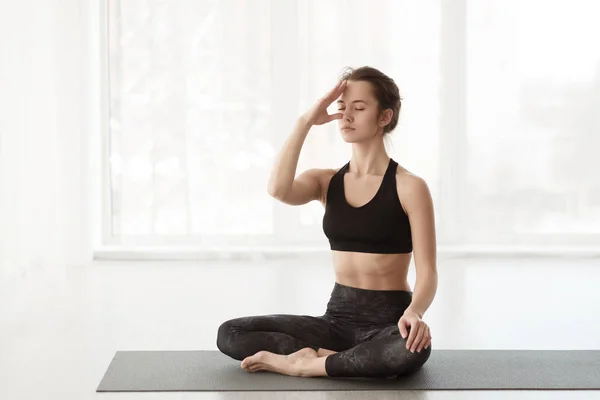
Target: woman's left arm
x,y
419,207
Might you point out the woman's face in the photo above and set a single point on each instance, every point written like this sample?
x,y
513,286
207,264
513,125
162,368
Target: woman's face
x,y
360,112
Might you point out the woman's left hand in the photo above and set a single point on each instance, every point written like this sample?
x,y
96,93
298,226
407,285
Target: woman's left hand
x,y
420,336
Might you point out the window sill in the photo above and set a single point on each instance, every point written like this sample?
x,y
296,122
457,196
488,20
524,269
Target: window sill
x,y
175,253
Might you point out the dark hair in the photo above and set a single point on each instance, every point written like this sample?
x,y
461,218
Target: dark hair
x,y
384,88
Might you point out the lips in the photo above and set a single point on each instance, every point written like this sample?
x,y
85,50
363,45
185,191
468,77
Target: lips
x,y
347,128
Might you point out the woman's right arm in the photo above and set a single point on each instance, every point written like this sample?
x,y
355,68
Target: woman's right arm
x,y
283,185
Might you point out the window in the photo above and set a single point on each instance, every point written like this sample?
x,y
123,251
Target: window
x,y
533,95
498,115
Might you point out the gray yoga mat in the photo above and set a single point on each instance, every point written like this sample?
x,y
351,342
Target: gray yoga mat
x,y
148,371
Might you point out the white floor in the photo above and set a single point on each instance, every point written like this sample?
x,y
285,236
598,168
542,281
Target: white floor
x,y
60,328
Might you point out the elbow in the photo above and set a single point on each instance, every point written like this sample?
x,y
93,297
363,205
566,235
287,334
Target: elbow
x,y
275,192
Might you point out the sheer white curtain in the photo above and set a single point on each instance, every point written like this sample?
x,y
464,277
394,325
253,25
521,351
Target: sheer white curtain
x,y
499,115
533,95
43,195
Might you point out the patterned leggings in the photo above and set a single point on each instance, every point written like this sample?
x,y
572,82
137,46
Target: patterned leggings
x,y
360,324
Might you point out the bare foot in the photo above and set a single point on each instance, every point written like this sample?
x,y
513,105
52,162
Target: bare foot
x,y
306,352
282,364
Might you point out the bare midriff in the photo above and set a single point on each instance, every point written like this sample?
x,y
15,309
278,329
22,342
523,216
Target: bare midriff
x,y
372,271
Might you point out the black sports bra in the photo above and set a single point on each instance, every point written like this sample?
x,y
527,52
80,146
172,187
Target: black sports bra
x,y
379,226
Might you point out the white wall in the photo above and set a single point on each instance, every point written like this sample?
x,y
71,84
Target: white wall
x,y
42,143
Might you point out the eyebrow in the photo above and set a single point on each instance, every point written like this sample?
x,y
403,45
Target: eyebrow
x,y
355,101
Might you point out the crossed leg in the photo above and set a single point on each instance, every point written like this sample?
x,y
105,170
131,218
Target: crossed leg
x,y
278,342
383,356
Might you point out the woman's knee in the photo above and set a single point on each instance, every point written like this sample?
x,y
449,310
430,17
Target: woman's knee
x,y
387,358
225,338
410,362
397,360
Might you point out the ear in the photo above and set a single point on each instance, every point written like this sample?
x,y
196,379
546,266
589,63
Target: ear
x,y
386,117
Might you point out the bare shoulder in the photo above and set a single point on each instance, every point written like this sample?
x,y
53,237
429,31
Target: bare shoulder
x,y
412,189
407,177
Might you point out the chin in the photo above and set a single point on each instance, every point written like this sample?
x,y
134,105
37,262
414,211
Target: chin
x,y
351,136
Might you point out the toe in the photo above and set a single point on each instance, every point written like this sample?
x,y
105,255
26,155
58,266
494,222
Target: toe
x,y
246,362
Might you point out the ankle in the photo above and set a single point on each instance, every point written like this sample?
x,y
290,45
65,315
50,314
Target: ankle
x,y
324,352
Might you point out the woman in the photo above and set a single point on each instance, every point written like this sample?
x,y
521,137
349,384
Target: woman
x,y
375,211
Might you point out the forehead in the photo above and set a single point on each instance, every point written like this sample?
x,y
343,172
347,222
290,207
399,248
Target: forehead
x,y
357,90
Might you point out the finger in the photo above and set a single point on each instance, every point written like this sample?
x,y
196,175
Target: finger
x,y
411,336
333,117
333,90
427,344
402,329
418,338
336,91
424,340
428,338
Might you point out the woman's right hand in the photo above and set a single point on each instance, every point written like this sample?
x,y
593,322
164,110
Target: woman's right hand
x,y
317,114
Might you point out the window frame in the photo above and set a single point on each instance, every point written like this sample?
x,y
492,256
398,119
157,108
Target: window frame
x,y
453,233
